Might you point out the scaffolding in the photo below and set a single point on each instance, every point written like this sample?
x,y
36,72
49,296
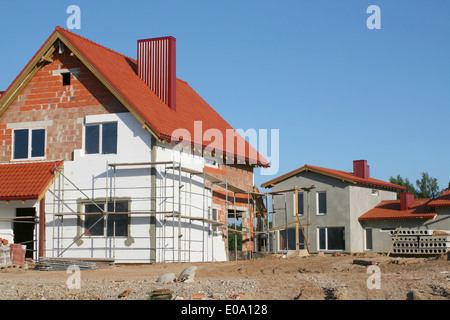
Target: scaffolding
x,y
171,200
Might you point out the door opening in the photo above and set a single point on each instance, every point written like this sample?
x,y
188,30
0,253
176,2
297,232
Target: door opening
x,y
24,229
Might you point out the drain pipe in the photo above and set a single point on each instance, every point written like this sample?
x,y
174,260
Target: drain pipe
x,y
41,250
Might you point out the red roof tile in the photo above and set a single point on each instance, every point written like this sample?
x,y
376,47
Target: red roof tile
x,y
336,174
23,181
390,210
120,71
441,201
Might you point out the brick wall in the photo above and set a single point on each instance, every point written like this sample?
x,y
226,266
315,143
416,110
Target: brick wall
x,y
240,176
45,99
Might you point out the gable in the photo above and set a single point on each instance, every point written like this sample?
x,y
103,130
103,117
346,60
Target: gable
x,y
336,174
45,102
118,74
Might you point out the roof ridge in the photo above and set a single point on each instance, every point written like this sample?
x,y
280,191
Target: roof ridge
x,y
58,28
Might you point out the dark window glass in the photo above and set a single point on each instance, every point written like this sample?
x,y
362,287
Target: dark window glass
x,y
21,144
118,223
300,203
369,245
38,143
287,239
109,138
336,239
66,78
322,239
92,139
322,202
94,224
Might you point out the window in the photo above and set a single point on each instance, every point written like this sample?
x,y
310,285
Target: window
x,y
66,78
321,203
374,192
369,243
117,224
299,203
331,238
287,239
101,138
29,144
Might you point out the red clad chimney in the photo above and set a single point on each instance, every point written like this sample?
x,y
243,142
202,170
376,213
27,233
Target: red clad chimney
x,y
406,200
361,169
156,65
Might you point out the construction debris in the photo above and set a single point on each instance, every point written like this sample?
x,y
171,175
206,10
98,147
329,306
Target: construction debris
x,y
364,262
47,264
161,294
124,294
420,242
167,278
187,275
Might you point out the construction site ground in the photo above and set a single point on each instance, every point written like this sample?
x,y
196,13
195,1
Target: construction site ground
x,y
275,277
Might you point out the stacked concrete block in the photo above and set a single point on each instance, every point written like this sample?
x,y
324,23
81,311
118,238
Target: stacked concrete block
x,y
5,256
420,242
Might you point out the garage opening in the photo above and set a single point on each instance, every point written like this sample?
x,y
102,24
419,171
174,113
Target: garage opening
x,y
24,229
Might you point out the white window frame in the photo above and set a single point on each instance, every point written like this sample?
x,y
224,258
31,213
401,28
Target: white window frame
x,y
100,137
30,135
365,239
317,203
326,240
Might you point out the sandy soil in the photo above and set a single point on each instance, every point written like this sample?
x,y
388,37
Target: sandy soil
x,y
316,277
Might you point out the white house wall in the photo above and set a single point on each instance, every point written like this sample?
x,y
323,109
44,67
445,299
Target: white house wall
x,y
91,174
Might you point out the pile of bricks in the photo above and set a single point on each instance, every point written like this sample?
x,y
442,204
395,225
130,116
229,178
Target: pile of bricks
x,y
17,254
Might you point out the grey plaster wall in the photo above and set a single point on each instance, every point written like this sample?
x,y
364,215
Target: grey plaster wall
x,y
345,203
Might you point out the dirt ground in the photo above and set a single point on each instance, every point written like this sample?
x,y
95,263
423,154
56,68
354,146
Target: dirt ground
x,y
329,277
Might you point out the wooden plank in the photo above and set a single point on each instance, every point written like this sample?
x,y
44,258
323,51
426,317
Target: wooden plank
x,y
364,262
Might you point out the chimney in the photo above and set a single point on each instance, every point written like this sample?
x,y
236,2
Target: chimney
x,y
156,65
406,200
361,169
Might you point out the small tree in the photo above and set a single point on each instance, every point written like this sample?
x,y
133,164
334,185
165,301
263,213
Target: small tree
x,y
427,186
404,183
235,239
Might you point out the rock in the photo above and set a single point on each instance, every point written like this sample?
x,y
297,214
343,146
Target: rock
x,y
188,274
167,277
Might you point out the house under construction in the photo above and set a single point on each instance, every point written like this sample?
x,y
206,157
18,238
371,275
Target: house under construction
x,y
106,157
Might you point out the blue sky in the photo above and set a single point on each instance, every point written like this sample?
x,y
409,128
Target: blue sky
x,y
336,90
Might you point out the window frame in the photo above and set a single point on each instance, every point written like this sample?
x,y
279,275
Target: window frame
x,y
29,144
100,137
105,225
366,242
318,193
326,239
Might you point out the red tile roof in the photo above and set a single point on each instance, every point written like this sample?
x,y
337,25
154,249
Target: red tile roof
x,y
343,175
120,71
441,201
24,181
390,210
